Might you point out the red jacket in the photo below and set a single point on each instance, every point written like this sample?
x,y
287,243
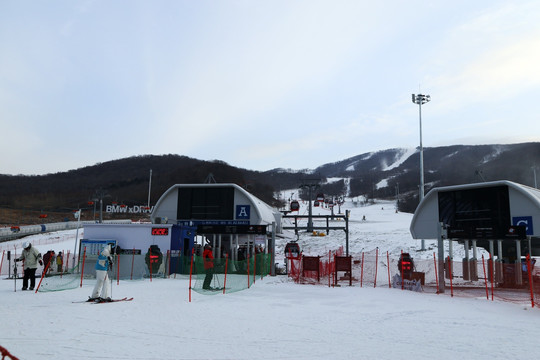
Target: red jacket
x,y
208,259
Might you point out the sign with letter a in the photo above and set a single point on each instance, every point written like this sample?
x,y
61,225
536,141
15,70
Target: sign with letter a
x,y
242,212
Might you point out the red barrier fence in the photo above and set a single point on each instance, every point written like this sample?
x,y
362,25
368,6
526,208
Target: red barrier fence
x,y
6,354
518,282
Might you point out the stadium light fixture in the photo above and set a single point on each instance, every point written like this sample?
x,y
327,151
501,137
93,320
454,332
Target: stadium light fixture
x,y
421,99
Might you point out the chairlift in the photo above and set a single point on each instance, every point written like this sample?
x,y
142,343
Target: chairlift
x,y
292,249
295,205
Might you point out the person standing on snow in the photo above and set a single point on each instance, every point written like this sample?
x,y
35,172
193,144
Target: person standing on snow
x,y
103,264
208,261
31,257
60,262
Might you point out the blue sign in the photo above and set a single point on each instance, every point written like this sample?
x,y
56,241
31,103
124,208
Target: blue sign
x,y
524,221
243,212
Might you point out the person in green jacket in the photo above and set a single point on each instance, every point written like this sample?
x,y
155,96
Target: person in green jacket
x,y
31,257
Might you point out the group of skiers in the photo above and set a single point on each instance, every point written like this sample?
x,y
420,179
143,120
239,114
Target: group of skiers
x,y
101,291
50,259
30,257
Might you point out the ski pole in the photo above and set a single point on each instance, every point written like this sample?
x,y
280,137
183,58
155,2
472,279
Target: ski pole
x,y
219,284
15,267
111,288
110,280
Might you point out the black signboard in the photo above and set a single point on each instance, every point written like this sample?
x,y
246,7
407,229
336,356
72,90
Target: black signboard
x,y
488,233
517,232
479,213
128,251
232,229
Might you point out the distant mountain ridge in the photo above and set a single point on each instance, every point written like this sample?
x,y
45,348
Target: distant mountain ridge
x,y
380,174
443,166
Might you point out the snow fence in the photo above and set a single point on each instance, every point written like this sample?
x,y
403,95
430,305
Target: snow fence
x,y
516,282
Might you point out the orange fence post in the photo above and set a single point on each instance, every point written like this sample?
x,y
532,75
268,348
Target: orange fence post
x,y
169,262
529,271
401,270
376,266
43,275
254,267
451,276
150,265
485,277
2,262
132,261
190,273
492,275
388,263
329,270
248,268
225,280
362,270
67,261
82,268
62,266
299,268
436,276
334,273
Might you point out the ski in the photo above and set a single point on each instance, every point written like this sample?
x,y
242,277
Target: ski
x,y
84,301
101,301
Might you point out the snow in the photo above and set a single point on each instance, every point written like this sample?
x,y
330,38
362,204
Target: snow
x,y
274,319
382,184
404,155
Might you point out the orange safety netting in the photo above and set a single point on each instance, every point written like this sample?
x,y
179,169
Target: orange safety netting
x,y
516,282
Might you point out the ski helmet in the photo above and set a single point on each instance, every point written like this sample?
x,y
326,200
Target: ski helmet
x,y
26,245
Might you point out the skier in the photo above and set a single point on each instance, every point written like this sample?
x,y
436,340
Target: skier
x,y
103,264
406,266
60,262
208,261
31,257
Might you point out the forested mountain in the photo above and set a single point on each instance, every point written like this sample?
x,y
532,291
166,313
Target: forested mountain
x,y
386,173
379,174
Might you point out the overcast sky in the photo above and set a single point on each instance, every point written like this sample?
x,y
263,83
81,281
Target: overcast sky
x,y
261,84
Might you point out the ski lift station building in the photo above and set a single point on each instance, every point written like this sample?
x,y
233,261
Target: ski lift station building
x,y
188,216
501,216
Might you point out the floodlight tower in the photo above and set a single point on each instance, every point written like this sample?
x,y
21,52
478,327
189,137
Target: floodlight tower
x,y
421,99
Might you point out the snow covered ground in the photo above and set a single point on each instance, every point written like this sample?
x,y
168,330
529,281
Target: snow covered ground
x,y
275,319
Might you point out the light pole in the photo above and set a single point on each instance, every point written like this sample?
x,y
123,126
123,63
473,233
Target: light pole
x,y
421,99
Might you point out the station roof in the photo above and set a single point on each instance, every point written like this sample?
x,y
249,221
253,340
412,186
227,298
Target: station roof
x,y
524,202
